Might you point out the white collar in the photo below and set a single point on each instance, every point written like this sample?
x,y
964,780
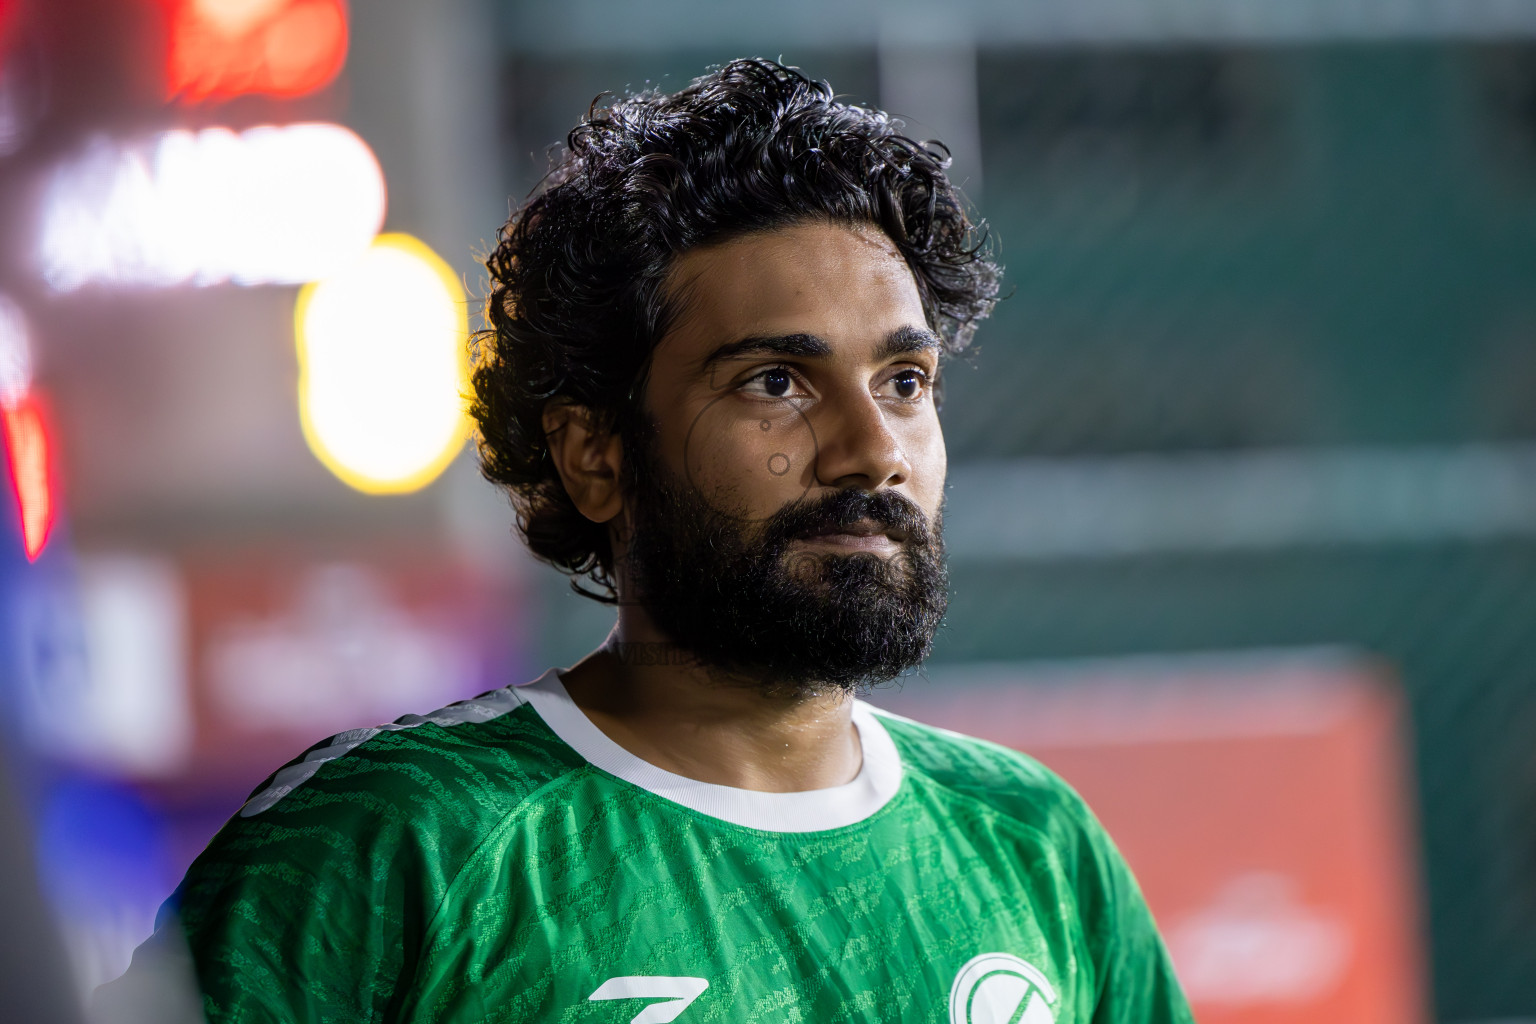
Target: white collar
x,y
812,810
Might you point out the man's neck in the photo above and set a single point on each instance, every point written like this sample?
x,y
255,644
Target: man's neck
x,y
648,696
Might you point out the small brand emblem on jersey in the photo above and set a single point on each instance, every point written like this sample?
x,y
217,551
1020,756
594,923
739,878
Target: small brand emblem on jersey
x,y
998,988
674,995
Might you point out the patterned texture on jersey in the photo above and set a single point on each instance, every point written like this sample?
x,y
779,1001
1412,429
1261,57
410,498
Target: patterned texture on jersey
x,y
485,872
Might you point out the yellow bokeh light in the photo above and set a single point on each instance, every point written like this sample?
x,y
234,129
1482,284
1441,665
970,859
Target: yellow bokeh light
x,y
383,350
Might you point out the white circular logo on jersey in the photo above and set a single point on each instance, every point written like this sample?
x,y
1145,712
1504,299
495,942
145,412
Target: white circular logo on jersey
x,y
998,988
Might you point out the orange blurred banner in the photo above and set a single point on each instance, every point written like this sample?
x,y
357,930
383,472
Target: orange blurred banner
x,y
1262,802
285,650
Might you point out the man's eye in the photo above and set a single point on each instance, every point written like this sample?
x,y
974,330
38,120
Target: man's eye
x,y
909,384
776,382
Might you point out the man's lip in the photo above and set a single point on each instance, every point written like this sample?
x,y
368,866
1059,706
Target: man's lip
x,y
863,528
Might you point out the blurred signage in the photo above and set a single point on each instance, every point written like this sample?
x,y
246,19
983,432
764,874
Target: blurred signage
x,y
29,447
286,652
205,676
1262,803
27,434
131,718
220,49
268,205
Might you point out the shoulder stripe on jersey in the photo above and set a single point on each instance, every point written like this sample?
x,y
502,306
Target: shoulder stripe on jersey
x,y
481,709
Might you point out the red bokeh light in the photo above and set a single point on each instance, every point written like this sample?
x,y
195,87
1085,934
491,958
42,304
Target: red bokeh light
x,y
225,48
29,441
10,22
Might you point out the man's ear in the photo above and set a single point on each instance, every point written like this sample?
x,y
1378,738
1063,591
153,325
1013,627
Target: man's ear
x,y
588,456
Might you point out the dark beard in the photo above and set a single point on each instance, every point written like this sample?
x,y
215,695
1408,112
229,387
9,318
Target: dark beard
x,y
727,592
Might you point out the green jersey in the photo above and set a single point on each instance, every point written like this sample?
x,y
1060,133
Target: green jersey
x,y
504,860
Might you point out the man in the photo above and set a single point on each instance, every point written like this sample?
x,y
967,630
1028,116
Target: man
x,y
708,386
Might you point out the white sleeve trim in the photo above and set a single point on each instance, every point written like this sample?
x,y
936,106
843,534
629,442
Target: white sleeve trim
x,y
481,709
813,810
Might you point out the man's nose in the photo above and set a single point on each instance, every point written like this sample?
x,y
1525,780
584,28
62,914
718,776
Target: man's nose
x,y
855,446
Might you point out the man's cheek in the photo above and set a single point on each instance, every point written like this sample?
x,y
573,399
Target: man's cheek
x,y
749,466
930,466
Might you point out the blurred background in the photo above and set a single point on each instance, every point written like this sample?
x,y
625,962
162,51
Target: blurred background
x,y
1242,512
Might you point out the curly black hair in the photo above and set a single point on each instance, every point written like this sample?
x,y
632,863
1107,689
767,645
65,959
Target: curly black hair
x,y
577,300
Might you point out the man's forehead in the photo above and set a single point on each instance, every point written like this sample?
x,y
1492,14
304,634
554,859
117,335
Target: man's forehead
x,y
833,283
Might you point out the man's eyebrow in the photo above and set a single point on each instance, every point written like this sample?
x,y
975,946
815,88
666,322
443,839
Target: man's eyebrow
x,y
901,341
776,344
904,340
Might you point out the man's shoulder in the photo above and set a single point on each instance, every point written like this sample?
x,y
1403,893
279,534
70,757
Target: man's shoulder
x,y
493,739
362,836
980,772
451,775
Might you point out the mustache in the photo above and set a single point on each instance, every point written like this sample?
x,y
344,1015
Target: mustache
x,y
842,509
